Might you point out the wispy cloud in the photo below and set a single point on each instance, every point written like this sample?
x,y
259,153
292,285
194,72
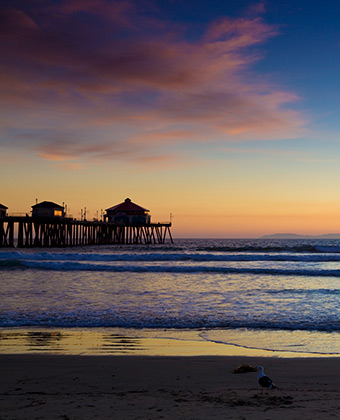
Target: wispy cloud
x,y
98,79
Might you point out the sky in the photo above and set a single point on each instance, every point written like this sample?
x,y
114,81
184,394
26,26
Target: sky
x,y
224,114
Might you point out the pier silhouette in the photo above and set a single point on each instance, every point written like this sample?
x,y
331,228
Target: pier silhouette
x,y
48,226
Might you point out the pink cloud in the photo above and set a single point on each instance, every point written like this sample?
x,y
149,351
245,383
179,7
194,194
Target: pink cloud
x,y
117,90
239,33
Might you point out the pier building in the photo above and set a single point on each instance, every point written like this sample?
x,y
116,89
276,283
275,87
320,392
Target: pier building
x,y
128,213
3,211
48,209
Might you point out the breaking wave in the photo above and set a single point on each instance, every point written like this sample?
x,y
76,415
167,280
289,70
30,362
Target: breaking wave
x,y
80,266
112,319
217,256
259,263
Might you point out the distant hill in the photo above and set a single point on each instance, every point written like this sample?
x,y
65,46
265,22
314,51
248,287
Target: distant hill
x,y
295,236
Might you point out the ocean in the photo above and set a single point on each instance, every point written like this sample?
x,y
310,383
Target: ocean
x,y
274,295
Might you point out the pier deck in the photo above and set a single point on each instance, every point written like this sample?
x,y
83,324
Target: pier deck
x,y
65,232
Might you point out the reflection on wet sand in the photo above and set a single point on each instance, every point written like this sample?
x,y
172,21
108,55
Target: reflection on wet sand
x,y
41,339
74,342
113,343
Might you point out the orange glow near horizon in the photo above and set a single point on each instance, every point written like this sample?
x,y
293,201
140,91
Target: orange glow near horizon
x,y
200,207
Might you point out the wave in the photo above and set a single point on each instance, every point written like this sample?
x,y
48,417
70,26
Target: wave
x,y
189,269
175,262
107,319
164,257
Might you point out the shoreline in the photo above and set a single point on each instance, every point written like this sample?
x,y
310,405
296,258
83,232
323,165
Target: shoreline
x,y
145,387
132,342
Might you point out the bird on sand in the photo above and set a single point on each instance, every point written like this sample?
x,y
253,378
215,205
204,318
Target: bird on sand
x,y
264,380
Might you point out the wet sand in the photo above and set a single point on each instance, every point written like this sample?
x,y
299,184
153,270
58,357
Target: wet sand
x,y
44,386
132,342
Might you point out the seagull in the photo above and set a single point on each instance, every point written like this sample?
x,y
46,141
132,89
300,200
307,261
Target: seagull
x,y
264,380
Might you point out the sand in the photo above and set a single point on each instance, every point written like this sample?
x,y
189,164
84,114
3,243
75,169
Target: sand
x,y
138,387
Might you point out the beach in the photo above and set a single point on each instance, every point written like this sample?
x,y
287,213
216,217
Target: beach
x,y
141,387
155,332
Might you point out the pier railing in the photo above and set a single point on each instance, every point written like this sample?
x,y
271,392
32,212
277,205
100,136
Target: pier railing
x,y
64,232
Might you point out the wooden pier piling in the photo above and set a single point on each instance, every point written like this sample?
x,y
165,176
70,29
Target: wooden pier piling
x,y
65,232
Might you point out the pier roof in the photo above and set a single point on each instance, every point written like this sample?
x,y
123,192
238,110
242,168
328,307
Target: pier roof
x,y
127,206
47,204
3,207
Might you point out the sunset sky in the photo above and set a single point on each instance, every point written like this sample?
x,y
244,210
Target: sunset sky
x,y
223,113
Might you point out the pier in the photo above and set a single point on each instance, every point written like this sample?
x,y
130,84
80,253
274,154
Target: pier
x,y
28,231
